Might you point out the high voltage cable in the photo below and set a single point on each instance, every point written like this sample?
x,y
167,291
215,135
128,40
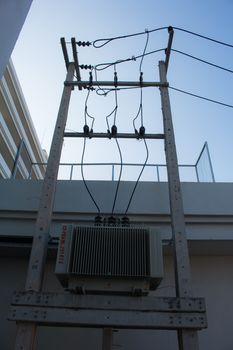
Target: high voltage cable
x,y
201,97
119,178
108,40
133,58
203,37
105,41
84,181
136,184
140,110
201,60
118,146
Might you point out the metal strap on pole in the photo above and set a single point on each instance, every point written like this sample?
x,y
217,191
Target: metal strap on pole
x,y
26,331
187,339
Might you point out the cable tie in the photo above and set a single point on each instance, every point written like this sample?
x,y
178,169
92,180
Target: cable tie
x,y
133,58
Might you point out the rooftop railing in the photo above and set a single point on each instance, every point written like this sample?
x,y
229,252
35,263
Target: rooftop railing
x,y
201,171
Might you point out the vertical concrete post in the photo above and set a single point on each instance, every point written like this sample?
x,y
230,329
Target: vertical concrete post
x,y
26,332
187,339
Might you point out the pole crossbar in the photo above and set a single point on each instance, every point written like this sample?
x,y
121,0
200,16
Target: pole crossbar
x,y
119,83
115,136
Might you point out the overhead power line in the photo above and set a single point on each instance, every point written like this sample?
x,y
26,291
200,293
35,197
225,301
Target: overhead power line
x,y
105,41
204,37
201,97
102,42
203,61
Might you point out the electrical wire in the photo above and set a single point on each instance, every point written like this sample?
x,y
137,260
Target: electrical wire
x,y
83,178
119,178
144,51
86,112
106,91
203,61
140,110
203,37
136,184
108,40
133,58
201,97
118,146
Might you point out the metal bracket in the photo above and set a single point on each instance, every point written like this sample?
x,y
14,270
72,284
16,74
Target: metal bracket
x,y
116,136
64,309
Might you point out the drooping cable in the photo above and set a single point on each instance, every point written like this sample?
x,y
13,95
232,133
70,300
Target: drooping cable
x,y
203,61
136,184
83,178
201,97
140,109
86,114
114,128
119,177
97,43
203,37
103,66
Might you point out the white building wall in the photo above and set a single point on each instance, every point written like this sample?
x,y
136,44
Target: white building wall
x,y
12,17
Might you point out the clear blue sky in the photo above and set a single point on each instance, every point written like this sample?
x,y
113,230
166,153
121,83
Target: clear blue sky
x,y
40,67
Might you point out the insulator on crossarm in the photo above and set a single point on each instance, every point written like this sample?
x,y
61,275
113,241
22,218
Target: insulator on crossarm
x,y
98,220
112,221
114,130
83,43
115,79
142,131
125,221
85,66
141,78
90,78
86,129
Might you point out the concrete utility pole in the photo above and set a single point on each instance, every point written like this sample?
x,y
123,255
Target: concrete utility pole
x,y
187,339
26,332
